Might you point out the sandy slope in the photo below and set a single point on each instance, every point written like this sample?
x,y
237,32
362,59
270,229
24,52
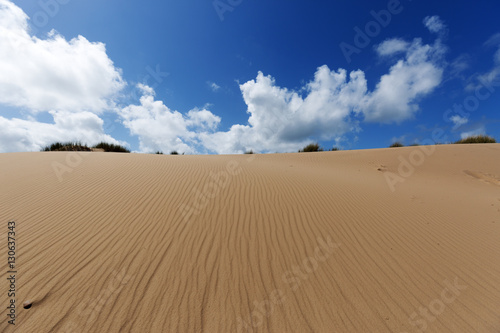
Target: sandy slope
x,y
280,242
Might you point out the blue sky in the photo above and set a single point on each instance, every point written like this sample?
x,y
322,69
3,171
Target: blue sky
x,y
228,76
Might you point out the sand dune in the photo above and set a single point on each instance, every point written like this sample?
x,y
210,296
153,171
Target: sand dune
x,y
387,240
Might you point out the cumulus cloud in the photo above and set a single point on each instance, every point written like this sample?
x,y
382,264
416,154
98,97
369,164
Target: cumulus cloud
x,y
282,120
160,128
52,73
327,106
71,80
75,81
31,135
434,24
396,95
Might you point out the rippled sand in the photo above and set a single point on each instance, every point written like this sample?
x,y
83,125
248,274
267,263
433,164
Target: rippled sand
x,y
311,242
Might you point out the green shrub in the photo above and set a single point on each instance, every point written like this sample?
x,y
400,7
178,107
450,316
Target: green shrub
x,y
335,149
110,147
249,152
396,144
159,153
67,146
311,148
477,139
174,152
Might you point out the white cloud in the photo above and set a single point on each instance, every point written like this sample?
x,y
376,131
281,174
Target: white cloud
x,y
145,89
202,119
214,86
458,121
30,135
392,46
160,128
396,95
434,24
282,120
52,73
75,80
72,81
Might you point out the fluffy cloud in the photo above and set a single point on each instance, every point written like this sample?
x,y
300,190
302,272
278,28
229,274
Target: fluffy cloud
x,y
282,120
392,46
160,128
434,24
71,80
395,96
75,81
52,73
31,135
458,121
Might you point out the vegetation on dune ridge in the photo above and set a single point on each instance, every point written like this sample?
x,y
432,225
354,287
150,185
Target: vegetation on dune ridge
x,y
477,139
110,147
67,146
312,147
78,146
396,144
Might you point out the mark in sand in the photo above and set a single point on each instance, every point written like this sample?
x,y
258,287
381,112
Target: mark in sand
x,y
483,177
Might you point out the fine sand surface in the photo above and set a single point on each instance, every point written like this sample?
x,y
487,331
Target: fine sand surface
x,y
310,242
